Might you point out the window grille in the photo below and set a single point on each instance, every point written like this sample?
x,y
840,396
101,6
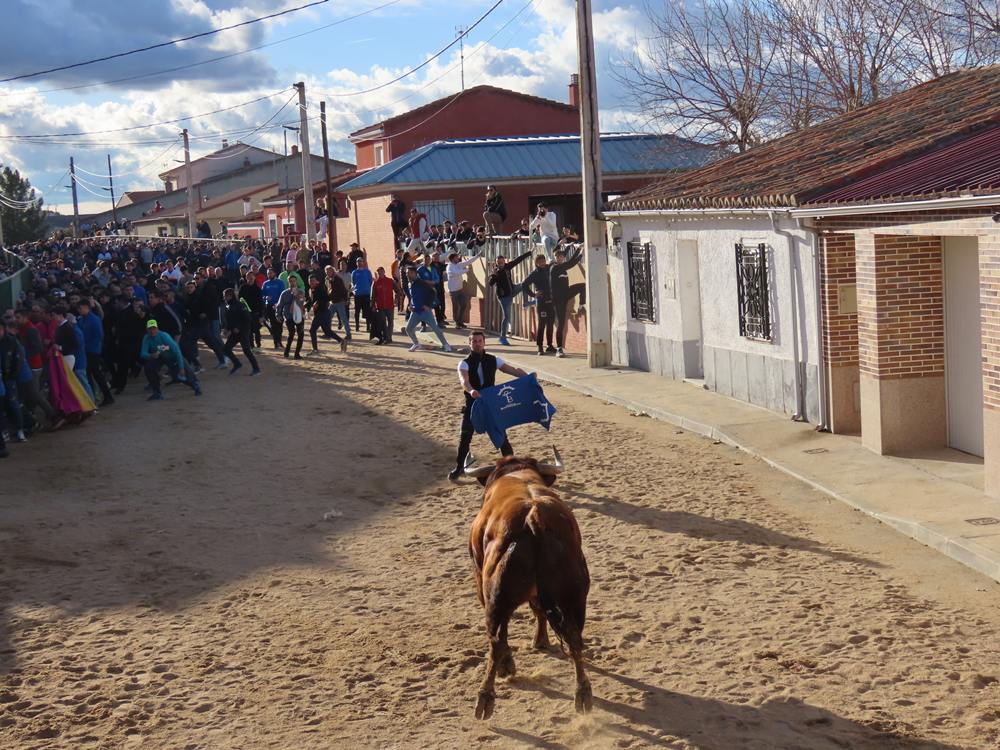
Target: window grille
x,y
438,212
640,275
752,291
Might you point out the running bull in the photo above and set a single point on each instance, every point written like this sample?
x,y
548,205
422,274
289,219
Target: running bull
x,y
525,546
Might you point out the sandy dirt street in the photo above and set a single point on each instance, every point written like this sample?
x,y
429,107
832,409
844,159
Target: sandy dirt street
x,y
281,564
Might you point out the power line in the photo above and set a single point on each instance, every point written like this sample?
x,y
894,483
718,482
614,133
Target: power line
x,y
147,125
174,145
426,62
220,57
163,44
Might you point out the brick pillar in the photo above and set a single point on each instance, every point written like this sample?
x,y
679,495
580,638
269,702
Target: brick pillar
x,y
840,331
989,298
901,342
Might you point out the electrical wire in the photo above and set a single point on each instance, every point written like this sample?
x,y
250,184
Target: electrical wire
x,y
163,44
173,146
147,125
259,127
216,59
426,62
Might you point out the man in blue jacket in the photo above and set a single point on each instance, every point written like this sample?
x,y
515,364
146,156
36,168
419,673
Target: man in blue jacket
x,y
422,299
160,350
93,340
271,291
361,285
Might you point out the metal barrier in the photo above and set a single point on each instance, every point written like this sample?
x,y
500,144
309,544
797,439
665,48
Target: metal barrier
x,y
11,287
522,318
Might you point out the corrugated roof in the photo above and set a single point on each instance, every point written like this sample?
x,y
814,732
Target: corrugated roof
x,y
793,169
969,166
532,157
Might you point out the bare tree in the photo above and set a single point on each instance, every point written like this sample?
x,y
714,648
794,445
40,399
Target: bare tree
x,y
857,46
947,35
705,73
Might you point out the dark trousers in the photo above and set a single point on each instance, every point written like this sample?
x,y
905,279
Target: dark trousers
x,y
439,304
274,325
465,440
458,308
293,329
546,320
243,339
383,325
95,371
33,401
362,307
255,328
13,403
321,320
561,305
155,364
124,361
202,331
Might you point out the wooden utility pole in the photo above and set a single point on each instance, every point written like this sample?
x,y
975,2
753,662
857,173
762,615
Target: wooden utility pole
x,y
307,188
189,186
111,187
76,204
594,232
330,233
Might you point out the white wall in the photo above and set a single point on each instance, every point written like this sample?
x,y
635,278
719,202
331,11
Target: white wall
x,y
757,371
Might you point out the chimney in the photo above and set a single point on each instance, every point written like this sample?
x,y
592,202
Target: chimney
x,y
225,143
246,206
574,91
295,149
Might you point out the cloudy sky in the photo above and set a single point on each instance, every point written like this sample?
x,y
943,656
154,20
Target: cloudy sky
x,y
337,48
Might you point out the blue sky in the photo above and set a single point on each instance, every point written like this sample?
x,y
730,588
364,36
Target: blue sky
x,y
526,45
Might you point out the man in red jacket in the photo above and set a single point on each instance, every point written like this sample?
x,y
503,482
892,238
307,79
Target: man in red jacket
x,y
383,304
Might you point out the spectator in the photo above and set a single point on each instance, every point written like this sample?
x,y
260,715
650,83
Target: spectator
x,y
545,223
397,216
505,289
361,285
383,302
158,351
456,270
494,211
238,323
422,303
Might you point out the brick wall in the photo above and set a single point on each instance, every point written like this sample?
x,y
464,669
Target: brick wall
x,y
900,306
989,295
840,330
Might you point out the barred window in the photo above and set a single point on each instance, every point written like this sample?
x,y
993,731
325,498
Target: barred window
x,y
752,291
640,277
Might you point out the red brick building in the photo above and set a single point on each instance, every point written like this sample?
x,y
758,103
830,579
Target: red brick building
x,y
478,112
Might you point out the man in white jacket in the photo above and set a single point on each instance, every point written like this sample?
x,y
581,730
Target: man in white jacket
x,y
545,221
456,270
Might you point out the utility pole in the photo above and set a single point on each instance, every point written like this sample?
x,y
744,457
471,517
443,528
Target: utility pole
x,y
462,31
330,233
76,204
111,187
187,182
307,187
594,232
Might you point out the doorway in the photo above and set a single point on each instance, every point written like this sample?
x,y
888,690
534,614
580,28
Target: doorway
x,y
963,344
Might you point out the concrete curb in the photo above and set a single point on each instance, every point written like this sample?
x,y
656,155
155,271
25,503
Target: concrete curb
x,y
963,550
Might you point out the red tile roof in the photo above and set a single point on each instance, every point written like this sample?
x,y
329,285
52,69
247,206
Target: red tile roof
x,y
801,167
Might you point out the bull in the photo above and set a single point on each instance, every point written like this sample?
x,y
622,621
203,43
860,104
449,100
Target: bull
x,y
526,547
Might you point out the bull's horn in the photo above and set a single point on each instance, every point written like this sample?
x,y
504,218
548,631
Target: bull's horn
x,y
557,468
479,472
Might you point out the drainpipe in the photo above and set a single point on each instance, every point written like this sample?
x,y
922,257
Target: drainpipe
x,y
824,388
799,414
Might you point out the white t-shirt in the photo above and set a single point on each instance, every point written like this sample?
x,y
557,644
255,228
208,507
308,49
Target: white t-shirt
x,y
463,366
456,274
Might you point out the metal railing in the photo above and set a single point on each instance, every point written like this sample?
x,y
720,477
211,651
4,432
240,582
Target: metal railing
x,y
19,278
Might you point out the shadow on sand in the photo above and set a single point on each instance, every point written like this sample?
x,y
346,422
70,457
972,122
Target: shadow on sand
x,y
782,724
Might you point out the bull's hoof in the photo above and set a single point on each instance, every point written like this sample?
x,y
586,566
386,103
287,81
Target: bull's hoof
x,y
485,705
584,699
541,644
506,667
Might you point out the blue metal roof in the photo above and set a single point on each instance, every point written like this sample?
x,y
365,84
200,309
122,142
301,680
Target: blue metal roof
x,y
532,157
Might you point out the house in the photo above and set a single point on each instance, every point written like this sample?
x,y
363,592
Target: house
x,y
848,274
224,209
477,112
446,180
283,213
220,179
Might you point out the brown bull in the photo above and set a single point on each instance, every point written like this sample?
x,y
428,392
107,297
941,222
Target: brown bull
x,y
525,546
